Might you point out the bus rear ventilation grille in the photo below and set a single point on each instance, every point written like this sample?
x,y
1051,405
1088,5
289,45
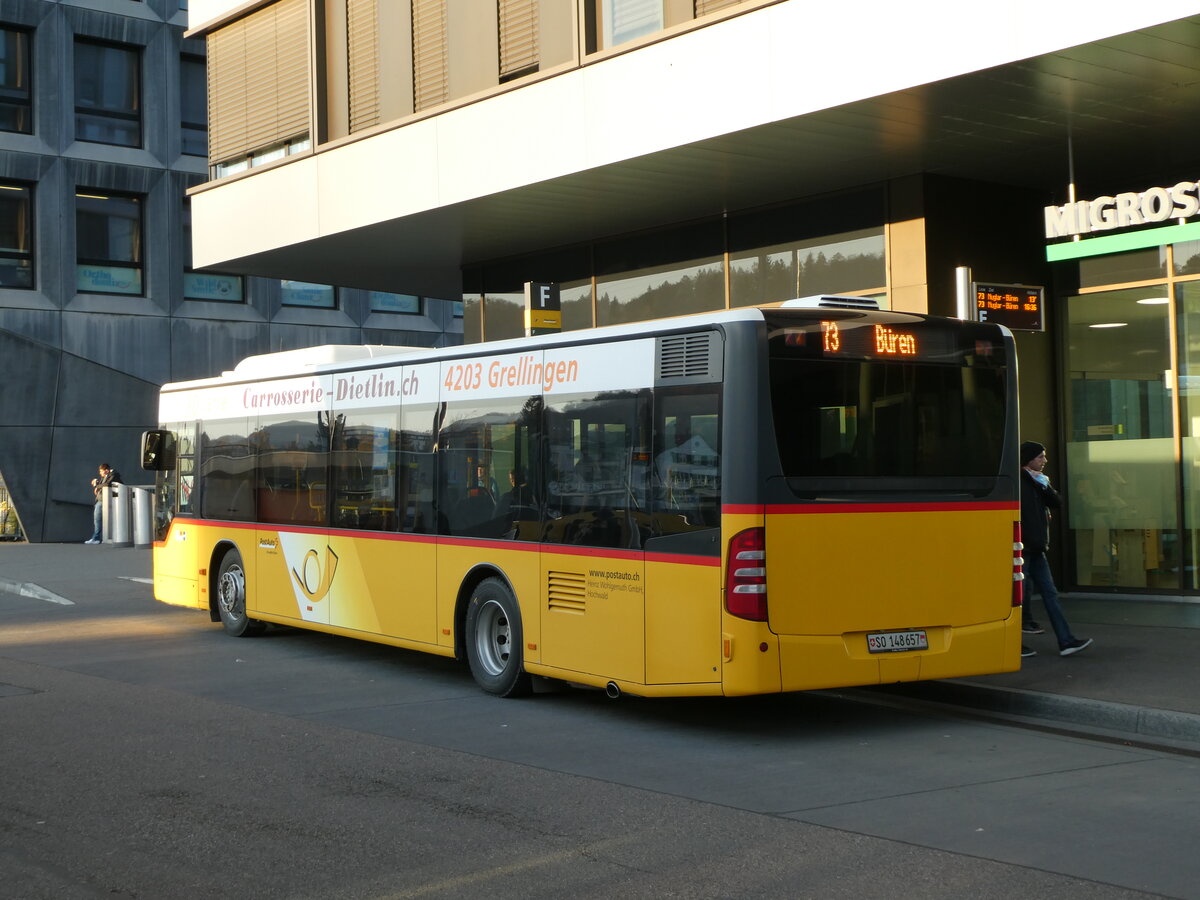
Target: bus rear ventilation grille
x,y
684,356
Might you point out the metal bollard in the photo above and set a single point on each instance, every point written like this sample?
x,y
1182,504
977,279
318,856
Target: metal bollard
x,y
121,532
143,505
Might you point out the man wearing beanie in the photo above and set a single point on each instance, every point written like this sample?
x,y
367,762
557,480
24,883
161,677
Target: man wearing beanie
x,y
1037,499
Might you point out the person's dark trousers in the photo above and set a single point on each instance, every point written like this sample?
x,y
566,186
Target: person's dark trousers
x,y
1038,577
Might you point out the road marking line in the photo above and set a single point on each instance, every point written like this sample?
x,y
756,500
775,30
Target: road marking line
x,y
28,589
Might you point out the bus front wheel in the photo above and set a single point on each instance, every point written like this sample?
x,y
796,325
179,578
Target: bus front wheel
x,y
494,640
231,597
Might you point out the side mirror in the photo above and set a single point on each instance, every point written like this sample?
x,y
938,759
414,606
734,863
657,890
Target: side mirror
x,y
158,451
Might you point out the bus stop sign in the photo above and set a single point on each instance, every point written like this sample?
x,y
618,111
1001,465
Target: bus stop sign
x,y
543,309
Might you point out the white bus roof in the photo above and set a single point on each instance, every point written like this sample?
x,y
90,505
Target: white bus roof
x,y
334,357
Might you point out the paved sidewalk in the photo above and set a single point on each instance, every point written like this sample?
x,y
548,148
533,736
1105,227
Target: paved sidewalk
x,y
1139,681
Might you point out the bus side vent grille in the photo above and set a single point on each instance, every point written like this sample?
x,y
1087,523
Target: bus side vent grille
x,y
688,358
567,591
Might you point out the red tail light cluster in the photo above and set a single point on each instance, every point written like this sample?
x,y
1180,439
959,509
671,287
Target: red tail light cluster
x,y
746,578
1018,595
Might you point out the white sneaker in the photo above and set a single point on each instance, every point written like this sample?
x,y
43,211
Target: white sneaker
x,y
91,541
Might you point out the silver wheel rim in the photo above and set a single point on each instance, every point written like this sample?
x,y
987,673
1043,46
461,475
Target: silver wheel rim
x,y
231,592
493,637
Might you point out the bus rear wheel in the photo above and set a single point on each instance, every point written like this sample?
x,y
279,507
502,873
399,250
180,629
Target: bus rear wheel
x,y
231,597
494,640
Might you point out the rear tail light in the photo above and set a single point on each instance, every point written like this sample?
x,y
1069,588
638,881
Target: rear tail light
x,y
746,575
1018,566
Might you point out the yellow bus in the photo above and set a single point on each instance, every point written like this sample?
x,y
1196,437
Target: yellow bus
x,y
816,495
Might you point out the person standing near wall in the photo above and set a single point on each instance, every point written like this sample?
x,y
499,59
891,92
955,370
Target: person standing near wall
x,y
107,476
1038,498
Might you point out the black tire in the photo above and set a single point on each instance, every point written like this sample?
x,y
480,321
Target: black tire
x,y
231,598
494,640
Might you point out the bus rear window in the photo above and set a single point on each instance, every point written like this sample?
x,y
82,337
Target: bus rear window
x,y
886,419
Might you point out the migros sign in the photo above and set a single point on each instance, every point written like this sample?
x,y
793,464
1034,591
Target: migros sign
x,y
1158,204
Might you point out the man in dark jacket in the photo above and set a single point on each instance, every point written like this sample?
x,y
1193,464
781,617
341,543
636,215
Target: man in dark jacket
x,y
1037,499
107,476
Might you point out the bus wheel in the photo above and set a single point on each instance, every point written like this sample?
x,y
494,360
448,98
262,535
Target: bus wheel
x,y
231,597
494,640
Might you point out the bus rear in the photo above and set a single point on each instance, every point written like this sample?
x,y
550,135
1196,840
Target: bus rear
x,y
884,546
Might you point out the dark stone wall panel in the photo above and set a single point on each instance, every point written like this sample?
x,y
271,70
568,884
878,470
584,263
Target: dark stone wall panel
x,y
203,348
40,325
96,396
32,371
136,345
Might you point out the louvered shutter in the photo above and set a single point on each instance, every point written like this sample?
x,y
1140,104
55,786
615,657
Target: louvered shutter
x,y
362,51
518,36
704,7
431,84
258,80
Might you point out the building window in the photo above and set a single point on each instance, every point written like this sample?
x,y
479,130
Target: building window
x,y
193,106
108,94
431,74
16,99
518,21
205,285
259,66
383,301
622,21
303,293
16,230
108,244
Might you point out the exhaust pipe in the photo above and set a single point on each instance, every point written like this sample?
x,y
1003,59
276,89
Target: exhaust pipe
x,y
612,691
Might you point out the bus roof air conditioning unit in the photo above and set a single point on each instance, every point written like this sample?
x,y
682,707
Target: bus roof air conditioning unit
x,y
831,301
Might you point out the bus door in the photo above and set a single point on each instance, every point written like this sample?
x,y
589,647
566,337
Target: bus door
x,y
295,565
382,480
683,553
596,522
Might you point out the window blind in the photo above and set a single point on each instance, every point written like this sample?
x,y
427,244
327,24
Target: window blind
x,y
431,83
518,36
258,80
362,53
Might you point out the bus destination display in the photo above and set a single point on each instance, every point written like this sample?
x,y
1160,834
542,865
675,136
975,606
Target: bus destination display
x,y
1012,305
837,338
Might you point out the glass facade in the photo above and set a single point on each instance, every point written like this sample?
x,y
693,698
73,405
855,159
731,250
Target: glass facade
x,y
828,245
1132,422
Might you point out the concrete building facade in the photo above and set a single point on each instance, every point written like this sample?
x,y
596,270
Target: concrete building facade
x,y
103,129
663,157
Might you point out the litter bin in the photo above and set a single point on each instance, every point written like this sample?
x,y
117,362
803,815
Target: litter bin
x,y
121,513
143,505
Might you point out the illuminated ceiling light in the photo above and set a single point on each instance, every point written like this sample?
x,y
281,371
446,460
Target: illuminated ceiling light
x,y
1109,325
1154,301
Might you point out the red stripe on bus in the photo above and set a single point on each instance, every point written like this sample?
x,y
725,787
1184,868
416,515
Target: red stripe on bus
x,y
478,543
806,508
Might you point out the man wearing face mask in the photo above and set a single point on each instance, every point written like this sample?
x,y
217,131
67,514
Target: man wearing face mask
x,y
1038,498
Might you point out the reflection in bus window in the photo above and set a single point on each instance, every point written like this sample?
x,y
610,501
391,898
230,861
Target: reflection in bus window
x,y
227,470
480,445
363,470
687,465
292,484
597,470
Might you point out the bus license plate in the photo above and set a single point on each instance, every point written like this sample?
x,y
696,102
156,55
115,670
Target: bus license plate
x,y
896,641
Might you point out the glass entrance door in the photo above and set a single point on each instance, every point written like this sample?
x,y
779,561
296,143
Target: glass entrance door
x,y
1122,495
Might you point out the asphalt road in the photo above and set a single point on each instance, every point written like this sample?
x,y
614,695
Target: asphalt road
x,y
147,755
